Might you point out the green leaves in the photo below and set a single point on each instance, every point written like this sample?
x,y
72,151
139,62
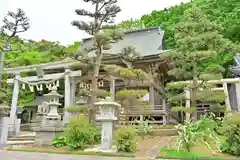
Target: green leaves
x,y
126,139
80,133
191,133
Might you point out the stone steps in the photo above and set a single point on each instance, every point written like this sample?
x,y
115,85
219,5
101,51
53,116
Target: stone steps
x,y
20,142
23,139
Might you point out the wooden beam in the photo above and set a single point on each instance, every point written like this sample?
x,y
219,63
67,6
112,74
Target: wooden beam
x,y
45,77
68,62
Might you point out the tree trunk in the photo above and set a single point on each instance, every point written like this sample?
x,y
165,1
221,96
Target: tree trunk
x,y
194,92
93,99
94,87
94,80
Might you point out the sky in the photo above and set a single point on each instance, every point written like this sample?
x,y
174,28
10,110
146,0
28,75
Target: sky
x,y
51,19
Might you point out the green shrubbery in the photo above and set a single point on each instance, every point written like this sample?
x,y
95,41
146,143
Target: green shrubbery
x,y
59,141
79,134
201,131
126,139
232,142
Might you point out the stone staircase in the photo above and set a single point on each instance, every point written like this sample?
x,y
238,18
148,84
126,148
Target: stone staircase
x,y
24,138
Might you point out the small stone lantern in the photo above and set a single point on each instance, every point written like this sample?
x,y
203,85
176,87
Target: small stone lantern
x,y
52,118
107,115
82,102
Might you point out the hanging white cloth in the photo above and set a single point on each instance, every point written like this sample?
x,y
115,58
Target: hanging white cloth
x,y
23,86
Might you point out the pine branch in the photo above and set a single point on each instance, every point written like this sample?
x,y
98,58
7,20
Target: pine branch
x,y
84,26
19,24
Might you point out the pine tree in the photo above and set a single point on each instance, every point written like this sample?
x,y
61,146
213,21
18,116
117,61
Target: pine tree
x,y
198,40
103,35
13,24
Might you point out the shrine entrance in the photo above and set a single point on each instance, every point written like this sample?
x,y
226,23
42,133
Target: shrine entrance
x,y
44,81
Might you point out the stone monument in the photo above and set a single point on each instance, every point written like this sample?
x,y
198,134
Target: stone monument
x,y
51,122
41,112
107,115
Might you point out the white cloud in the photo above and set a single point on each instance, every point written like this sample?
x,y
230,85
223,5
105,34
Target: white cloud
x,y
50,19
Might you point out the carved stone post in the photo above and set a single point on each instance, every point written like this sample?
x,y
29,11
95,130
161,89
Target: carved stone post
x,y
14,101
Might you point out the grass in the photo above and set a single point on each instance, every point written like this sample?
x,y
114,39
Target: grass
x,y
174,154
199,152
73,152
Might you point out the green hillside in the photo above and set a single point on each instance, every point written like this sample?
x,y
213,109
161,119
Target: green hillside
x,y
224,12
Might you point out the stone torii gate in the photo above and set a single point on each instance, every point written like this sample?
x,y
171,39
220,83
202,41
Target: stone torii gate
x,y
68,77
69,82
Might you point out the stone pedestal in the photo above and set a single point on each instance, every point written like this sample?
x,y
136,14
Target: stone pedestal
x,y
37,121
51,122
106,139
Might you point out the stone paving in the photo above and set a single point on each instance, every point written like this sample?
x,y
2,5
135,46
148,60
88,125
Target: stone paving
x,y
7,155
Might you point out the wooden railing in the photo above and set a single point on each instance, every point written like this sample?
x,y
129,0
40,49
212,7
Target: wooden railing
x,y
146,110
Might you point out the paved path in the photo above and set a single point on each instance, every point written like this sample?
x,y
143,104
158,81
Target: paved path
x,y
7,155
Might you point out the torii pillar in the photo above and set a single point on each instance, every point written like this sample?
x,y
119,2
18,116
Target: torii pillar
x,y
14,101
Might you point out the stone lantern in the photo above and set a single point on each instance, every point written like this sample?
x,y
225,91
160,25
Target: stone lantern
x,y
81,101
52,119
106,115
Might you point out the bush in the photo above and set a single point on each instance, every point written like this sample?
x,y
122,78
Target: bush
x,y
232,143
126,139
59,141
143,128
80,133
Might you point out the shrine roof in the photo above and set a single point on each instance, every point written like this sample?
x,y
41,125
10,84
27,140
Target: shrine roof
x,y
37,101
235,69
147,41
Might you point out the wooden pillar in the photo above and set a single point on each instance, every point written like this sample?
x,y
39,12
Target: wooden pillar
x,y
14,100
112,88
165,109
151,95
67,96
227,101
188,103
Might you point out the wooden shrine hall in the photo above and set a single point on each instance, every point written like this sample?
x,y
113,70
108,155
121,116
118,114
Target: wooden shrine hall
x,y
148,42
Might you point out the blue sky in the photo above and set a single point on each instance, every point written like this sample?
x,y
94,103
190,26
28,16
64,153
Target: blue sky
x,y
50,19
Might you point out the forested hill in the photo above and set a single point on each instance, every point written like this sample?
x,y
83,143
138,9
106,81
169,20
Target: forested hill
x,y
224,12
27,52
